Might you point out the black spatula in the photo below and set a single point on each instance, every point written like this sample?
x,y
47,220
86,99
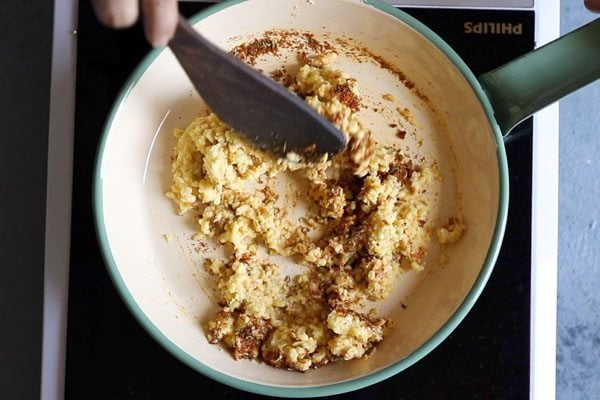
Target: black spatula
x,y
261,109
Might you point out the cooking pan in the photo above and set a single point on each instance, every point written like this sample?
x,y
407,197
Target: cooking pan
x,y
409,78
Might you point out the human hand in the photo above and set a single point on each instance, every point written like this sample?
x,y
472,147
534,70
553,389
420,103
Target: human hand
x,y
593,5
160,16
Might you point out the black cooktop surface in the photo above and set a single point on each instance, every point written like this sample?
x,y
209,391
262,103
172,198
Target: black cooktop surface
x,y
110,356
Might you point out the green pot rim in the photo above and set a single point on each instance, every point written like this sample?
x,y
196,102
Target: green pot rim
x,y
323,390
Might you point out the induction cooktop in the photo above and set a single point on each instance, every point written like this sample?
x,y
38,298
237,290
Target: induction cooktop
x,y
495,353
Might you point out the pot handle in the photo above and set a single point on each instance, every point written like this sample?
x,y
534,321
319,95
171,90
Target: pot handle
x,y
537,79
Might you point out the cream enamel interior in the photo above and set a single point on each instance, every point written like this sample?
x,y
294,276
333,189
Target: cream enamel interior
x,y
166,278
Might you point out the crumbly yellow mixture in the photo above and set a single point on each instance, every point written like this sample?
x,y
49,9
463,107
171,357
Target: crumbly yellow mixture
x,y
367,221
449,233
452,230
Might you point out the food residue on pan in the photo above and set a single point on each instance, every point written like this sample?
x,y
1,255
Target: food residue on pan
x,y
367,221
407,115
449,233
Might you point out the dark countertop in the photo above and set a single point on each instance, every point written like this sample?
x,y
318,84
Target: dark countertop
x,y
25,45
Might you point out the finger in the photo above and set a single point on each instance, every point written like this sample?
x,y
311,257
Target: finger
x,y
160,20
116,13
593,5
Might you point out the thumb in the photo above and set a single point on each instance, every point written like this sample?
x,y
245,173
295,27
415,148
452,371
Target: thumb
x,y
593,5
